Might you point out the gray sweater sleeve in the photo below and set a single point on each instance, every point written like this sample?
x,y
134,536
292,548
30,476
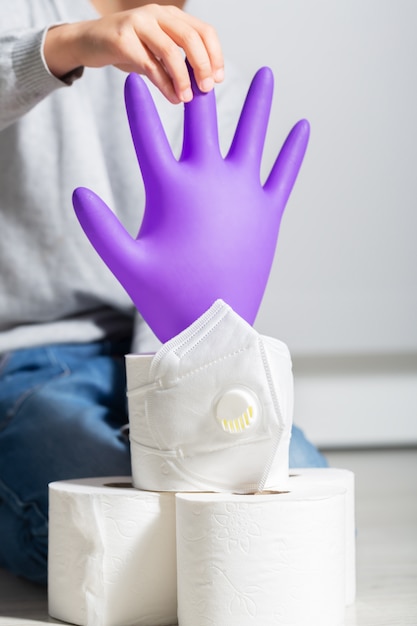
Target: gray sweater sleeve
x,y
24,76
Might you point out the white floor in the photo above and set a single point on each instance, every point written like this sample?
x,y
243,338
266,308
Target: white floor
x,y
386,506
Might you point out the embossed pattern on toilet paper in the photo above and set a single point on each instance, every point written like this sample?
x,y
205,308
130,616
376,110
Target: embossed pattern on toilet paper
x,y
267,560
112,554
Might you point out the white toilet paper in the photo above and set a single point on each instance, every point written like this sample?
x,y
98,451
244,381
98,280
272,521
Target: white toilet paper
x,y
268,560
111,554
345,479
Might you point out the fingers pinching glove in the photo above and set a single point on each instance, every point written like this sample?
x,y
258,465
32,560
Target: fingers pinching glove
x,y
210,227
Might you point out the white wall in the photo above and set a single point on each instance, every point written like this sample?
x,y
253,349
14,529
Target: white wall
x,y
343,290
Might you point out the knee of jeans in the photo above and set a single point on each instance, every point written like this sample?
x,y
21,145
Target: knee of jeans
x,y
303,453
24,539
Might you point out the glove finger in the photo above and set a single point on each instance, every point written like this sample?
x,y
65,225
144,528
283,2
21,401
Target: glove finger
x,y
249,139
107,235
201,138
151,144
287,165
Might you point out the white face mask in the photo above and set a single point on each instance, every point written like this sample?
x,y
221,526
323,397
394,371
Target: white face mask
x,y
212,409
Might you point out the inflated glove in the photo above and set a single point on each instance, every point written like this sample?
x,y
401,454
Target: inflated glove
x,y
210,227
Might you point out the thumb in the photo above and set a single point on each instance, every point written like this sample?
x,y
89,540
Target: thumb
x,y
107,235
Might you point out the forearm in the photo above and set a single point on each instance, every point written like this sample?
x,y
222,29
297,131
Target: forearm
x,y
61,48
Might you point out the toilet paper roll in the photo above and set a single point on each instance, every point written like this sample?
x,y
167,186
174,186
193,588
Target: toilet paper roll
x,y
112,555
269,560
345,479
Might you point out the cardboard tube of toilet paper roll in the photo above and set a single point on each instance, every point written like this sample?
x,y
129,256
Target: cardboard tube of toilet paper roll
x,y
111,554
300,477
261,559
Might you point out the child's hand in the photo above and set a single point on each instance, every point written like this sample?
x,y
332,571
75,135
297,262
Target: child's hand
x,y
149,40
210,228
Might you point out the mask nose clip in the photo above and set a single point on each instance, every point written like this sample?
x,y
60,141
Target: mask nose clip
x,y
237,410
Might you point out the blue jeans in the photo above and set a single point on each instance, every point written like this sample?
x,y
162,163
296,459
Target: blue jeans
x,y
62,408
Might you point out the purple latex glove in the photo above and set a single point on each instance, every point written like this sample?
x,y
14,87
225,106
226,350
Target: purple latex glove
x,y
210,228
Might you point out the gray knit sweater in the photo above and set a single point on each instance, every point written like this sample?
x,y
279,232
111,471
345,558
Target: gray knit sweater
x,y
54,137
